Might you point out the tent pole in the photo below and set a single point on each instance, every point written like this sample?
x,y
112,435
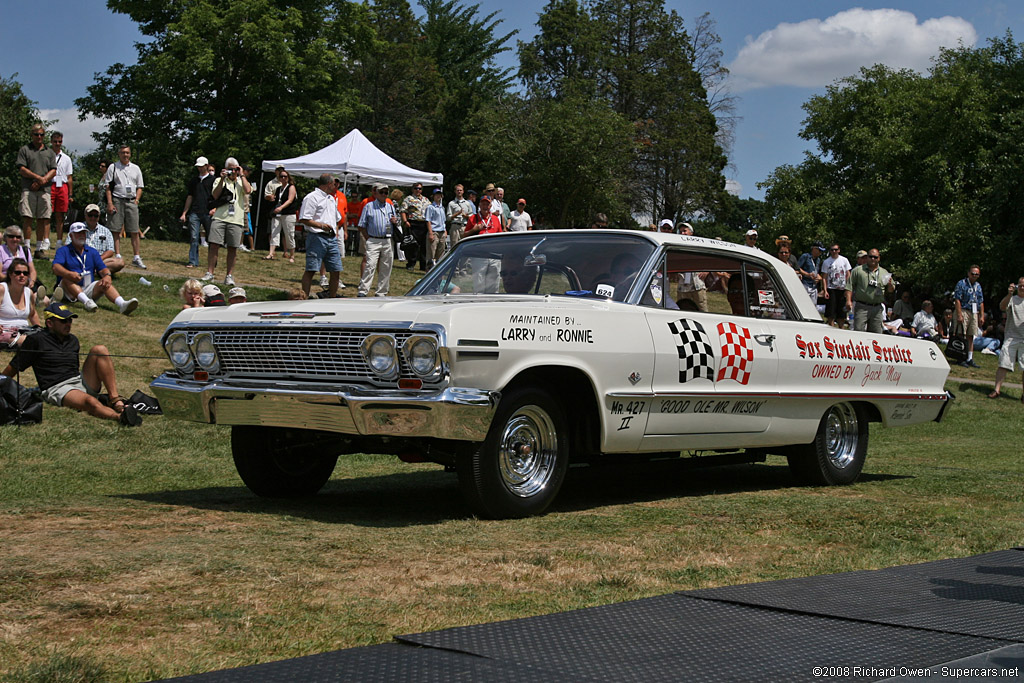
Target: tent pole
x,y
259,205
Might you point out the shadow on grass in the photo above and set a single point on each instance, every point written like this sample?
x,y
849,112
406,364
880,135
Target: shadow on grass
x,y
433,497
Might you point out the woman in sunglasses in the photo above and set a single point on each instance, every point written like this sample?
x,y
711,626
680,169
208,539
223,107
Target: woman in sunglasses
x,y
18,314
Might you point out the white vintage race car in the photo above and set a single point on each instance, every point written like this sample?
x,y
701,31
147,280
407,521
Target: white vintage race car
x,y
521,353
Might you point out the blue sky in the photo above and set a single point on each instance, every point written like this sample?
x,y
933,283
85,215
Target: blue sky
x,y
780,54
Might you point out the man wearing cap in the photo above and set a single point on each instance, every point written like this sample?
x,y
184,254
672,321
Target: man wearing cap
x,y
459,211
485,270
101,239
836,269
809,268
198,209
376,224
236,295
52,354
437,236
867,286
319,219
750,239
37,166
666,225
82,275
686,229
471,197
212,296
519,220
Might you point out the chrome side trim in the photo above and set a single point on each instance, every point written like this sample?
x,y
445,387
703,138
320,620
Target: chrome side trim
x,y
452,413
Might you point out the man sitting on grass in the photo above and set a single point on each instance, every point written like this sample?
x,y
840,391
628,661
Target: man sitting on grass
x,y
53,355
82,275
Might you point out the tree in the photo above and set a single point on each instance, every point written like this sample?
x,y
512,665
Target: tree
x,y
925,167
17,115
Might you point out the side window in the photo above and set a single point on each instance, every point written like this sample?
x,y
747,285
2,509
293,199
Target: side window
x,y
765,297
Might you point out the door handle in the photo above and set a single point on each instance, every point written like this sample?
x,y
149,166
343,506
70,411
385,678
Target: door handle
x,y
766,339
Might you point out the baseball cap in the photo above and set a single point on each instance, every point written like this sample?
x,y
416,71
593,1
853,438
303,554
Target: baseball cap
x,y
59,311
202,161
236,291
471,192
78,226
490,186
92,207
818,244
861,253
211,290
668,222
751,232
782,238
380,186
437,190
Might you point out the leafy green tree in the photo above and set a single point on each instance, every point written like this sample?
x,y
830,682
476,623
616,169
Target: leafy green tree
x,y
17,115
927,168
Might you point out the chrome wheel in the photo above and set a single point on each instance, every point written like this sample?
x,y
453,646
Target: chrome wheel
x,y
527,451
842,435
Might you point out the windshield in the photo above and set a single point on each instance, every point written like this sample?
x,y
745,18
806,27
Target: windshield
x,y
583,264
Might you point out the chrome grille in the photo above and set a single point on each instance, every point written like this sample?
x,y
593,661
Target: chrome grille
x,y
305,353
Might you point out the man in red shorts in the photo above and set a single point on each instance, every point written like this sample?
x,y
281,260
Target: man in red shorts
x,y
60,192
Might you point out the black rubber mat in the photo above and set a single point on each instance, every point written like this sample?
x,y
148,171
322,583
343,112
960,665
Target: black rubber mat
x,y
389,663
1004,664
981,595
675,637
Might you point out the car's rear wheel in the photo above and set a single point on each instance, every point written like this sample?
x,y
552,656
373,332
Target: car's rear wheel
x,y
836,456
274,463
520,466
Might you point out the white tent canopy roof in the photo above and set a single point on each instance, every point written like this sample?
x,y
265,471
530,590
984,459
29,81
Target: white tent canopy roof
x,y
354,158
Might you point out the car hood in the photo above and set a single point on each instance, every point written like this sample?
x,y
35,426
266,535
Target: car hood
x,y
378,309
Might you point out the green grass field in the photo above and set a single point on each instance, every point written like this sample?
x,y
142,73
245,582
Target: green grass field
x,y
133,554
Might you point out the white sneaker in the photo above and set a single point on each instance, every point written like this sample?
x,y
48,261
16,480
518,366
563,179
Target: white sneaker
x,y
229,281
324,282
242,247
129,306
207,277
989,351
58,294
137,262
117,256
341,285
90,305
203,243
45,246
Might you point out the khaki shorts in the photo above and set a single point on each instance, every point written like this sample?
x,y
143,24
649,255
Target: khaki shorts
x,y
972,324
55,394
126,217
225,234
35,203
1012,352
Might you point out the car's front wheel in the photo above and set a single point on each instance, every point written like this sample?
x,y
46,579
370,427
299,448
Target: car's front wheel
x,y
836,456
520,466
273,462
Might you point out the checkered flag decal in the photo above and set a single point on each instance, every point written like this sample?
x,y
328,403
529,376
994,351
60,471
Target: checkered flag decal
x,y
696,356
737,354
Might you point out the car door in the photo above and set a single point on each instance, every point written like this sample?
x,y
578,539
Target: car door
x,y
715,363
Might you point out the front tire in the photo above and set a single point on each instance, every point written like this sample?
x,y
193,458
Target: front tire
x,y
273,463
520,467
836,456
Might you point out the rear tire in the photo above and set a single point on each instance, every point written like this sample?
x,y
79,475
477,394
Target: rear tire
x,y
836,456
273,465
520,467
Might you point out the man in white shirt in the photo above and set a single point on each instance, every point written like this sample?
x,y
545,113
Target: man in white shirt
x,y
60,193
320,219
519,220
459,211
836,269
1012,350
124,191
924,325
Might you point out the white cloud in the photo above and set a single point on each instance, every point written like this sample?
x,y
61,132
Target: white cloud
x,y
77,134
733,187
816,52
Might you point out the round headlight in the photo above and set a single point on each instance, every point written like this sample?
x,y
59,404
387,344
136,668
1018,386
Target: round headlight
x,y
379,352
177,350
205,353
421,354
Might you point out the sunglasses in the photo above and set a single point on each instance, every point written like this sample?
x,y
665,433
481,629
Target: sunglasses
x,y
20,272
13,237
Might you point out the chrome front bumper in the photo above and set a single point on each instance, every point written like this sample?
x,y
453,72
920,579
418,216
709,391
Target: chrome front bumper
x,y
461,414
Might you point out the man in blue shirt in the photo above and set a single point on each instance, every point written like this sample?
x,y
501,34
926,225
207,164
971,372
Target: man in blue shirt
x,y
437,236
376,224
970,310
809,268
82,275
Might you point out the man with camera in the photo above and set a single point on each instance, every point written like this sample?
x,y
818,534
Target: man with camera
x,y
124,191
1012,350
867,285
228,223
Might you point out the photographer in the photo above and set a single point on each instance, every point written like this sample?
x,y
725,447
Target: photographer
x,y
228,224
1012,350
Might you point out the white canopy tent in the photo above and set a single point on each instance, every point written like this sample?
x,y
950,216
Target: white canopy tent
x,y
353,158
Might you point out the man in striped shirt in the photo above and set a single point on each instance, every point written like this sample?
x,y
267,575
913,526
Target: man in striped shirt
x,y
376,224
